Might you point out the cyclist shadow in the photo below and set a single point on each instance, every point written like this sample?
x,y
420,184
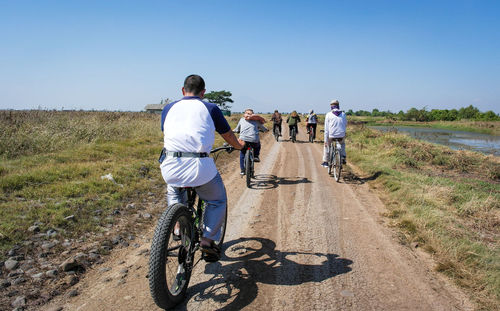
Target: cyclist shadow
x,y
351,178
267,181
250,261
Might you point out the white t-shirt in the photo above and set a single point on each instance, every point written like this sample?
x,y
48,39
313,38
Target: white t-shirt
x,y
189,125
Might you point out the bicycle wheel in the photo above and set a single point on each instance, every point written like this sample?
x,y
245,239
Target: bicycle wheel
x,y
248,167
276,134
293,135
311,135
330,159
170,263
337,167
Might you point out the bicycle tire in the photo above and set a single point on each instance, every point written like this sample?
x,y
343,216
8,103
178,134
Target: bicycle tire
x,y
276,134
294,135
337,167
311,139
169,279
248,168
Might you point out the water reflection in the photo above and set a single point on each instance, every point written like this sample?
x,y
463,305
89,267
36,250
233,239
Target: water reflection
x,y
458,140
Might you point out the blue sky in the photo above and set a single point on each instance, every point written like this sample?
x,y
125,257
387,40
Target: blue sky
x,y
285,55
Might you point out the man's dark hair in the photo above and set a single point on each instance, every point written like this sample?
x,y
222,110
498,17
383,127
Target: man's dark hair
x,y
194,84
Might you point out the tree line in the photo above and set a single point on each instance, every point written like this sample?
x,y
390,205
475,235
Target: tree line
x,y
423,115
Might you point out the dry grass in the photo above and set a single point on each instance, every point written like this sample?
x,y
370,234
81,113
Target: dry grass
x,y
448,201
51,163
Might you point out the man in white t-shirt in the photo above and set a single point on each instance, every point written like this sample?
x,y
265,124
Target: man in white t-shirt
x,y
335,127
189,127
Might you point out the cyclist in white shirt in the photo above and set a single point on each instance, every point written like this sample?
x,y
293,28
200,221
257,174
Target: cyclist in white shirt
x,y
335,127
312,122
189,127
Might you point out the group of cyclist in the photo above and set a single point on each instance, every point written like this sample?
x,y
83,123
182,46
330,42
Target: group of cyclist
x,y
335,127
189,127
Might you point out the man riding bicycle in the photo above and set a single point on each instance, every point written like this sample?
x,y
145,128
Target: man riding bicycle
x,y
249,127
277,120
189,127
312,122
335,127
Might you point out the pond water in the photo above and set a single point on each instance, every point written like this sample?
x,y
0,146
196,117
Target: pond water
x,y
458,140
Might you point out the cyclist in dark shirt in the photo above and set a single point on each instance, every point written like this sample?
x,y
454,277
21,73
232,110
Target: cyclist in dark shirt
x,y
293,121
277,120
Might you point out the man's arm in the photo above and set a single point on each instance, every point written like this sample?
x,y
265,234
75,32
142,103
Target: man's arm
x,y
262,128
256,117
326,129
232,140
238,128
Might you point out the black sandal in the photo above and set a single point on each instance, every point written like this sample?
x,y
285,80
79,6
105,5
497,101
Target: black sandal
x,y
210,253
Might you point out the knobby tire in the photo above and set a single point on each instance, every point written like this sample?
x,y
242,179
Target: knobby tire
x,y
248,167
169,274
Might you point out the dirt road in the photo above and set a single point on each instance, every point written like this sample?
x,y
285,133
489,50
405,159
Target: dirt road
x,y
296,240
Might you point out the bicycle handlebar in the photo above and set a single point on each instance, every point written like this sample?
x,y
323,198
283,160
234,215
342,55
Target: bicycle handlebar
x,y
226,147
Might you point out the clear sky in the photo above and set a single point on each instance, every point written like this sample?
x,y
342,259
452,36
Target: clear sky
x,y
285,55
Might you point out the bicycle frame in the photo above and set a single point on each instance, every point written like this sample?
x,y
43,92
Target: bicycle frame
x,y
197,222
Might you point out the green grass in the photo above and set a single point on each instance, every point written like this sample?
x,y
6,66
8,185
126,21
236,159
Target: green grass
x,y
51,163
448,201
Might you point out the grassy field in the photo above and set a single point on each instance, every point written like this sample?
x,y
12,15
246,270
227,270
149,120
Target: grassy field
x,y
52,165
446,201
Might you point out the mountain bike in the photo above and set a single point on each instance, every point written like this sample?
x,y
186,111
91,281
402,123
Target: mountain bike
x,y
334,158
249,164
276,133
175,242
293,134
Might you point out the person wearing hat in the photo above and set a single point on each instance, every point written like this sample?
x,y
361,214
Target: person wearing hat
x,y
312,122
335,127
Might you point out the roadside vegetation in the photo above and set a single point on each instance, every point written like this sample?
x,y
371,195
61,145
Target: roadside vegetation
x,y
484,127
72,171
444,201
464,119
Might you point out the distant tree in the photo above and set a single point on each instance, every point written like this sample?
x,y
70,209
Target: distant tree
x,y
220,98
349,112
470,113
489,116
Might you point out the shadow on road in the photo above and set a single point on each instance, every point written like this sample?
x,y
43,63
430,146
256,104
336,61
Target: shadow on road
x,y
351,178
266,181
249,261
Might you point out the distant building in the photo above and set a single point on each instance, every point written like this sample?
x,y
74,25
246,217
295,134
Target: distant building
x,y
157,108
